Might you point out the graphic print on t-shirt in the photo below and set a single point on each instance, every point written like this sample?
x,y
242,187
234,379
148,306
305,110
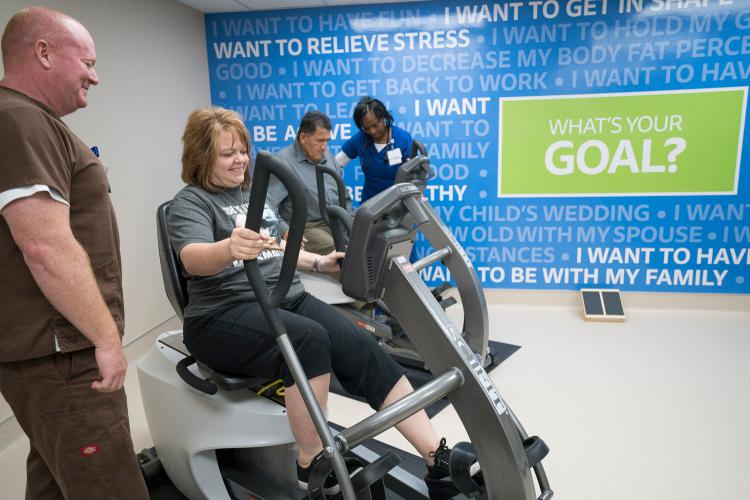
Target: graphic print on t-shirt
x,y
269,226
237,214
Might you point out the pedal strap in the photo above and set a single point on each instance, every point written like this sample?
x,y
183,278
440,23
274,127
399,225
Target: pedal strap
x,y
536,449
319,470
460,461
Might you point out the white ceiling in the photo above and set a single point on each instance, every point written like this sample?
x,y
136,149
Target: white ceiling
x,y
210,6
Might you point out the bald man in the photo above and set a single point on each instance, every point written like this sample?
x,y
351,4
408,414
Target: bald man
x,y
62,365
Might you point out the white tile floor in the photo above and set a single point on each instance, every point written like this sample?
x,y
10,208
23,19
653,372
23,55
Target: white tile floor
x,y
653,408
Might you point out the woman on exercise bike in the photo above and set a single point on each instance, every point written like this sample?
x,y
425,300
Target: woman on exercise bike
x,y
224,326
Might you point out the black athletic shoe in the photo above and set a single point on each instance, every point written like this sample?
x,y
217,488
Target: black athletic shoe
x,y
330,487
438,477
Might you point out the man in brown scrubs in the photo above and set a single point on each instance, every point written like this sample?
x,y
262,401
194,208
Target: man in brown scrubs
x,y
62,365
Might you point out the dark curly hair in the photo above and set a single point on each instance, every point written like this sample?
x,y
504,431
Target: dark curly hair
x,y
367,104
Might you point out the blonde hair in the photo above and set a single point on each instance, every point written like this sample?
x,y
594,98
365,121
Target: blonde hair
x,y
200,143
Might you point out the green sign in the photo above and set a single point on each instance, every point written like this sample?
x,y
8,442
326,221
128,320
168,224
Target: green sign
x,y
646,143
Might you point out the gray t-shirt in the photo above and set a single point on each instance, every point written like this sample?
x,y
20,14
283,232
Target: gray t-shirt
x,y
197,216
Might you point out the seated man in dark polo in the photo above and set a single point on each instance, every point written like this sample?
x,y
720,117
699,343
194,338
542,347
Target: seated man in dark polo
x,y
310,148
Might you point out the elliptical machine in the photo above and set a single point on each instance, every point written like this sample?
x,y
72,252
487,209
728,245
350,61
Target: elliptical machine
x,y
218,442
385,327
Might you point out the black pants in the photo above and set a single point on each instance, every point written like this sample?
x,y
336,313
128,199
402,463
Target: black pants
x,y
238,339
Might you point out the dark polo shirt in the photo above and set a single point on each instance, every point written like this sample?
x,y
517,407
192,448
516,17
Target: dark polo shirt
x,y
278,197
36,147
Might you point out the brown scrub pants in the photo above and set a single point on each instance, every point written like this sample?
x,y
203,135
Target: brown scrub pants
x,y
80,439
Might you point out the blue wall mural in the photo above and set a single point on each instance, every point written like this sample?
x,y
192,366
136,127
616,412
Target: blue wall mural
x,y
576,142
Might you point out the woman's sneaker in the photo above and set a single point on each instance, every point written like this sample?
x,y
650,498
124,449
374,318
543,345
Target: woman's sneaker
x,y
330,487
440,483
438,477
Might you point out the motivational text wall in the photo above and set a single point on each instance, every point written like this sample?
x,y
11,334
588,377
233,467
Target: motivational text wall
x,y
576,142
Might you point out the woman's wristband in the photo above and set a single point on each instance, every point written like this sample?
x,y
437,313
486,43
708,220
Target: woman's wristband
x,y
316,263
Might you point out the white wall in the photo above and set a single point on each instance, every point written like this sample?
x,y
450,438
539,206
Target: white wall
x,y
153,71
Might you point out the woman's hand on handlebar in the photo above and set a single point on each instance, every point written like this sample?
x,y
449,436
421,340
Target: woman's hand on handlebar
x,y
245,244
330,263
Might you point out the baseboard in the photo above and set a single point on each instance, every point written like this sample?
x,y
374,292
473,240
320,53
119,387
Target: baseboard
x,y
631,300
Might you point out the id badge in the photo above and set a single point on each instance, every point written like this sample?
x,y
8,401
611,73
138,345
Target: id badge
x,y
394,157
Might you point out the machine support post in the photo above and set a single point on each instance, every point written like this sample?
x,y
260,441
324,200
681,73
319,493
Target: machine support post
x,y
320,421
478,403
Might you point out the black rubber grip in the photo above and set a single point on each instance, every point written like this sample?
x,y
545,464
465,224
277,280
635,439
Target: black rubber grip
x,y
265,166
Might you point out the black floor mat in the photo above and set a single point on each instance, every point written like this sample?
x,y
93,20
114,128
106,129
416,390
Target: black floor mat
x,y
161,488
420,377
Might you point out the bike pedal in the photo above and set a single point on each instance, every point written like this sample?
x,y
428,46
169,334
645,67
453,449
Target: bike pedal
x,y
440,289
446,303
